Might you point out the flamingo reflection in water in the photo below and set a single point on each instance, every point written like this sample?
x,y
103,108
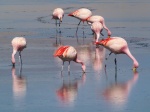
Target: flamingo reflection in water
x,y
67,93
98,57
58,40
117,94
19,84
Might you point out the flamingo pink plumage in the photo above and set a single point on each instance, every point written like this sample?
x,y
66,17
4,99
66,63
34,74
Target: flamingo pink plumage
x,y
58,14
18,44
97,27
82,14
118,45
68,53
97,18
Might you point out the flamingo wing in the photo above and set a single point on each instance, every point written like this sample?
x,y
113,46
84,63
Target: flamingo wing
x,y
75,13
60,51
104,41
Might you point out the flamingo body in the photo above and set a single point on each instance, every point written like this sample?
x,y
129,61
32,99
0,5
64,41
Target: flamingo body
x,y
118,45
58,13
18,44
81,14
97,18
97,27
68,53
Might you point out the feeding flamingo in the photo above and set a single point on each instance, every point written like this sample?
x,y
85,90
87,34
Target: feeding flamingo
x,y
97,18
18,44
97,28
82,14
58,14
118,45
68,53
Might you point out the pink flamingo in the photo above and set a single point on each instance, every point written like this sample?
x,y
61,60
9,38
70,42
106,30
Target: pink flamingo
x,y
118,45
97,28
58,14
82,14
68,53
18,44
97,18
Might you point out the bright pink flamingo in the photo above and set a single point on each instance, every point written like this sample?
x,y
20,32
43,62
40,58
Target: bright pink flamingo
x,y
68,53
97,18
118,45
18,44
97,28
58,14
82,14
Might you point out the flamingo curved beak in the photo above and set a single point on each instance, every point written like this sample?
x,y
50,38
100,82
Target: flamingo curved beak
x,y
134,69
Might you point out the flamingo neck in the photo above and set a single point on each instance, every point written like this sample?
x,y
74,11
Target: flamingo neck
x,y
83,65
13,57
60,17
135,62
97,36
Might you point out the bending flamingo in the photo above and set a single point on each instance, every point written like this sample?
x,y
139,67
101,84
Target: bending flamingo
x,y
118,45
97,18
18,44
97,28
82,14
68,53
58,14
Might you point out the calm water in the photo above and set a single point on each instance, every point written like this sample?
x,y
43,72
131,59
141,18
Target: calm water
x,y
40,86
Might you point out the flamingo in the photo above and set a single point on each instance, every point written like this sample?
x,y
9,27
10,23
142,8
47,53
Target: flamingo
x,y
82,14
118,45
18,44
68,53
97,28
97,18
58,14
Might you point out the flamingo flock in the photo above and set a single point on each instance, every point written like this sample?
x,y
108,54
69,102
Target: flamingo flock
x,y
116,45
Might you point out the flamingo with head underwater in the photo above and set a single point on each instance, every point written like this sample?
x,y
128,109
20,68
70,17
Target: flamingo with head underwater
x,y
97,28
97,18
18,44
68,53
82,14
118,45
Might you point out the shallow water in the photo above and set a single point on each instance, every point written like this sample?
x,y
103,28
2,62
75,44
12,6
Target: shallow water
x,y
40,85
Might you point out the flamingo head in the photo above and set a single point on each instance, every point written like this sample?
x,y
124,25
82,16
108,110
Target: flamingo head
x,y
135,66
60,17
83,68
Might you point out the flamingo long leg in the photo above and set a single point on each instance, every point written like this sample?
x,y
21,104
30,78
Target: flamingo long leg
x,y
108,55
20,59
115,70
77,27
69,67
62,66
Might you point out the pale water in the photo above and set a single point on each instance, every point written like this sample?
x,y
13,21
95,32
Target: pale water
x,y
40,87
